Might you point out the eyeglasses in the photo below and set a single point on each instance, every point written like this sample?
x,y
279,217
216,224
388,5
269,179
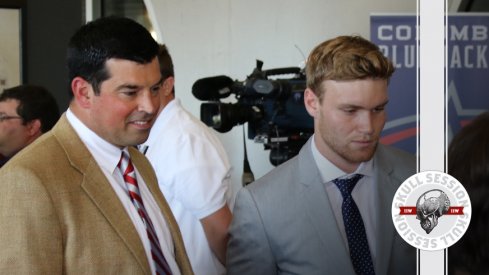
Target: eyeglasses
x,y
6,117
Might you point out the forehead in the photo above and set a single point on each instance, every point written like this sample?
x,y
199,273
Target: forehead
x,y
9,106
130,72
357,91
125,66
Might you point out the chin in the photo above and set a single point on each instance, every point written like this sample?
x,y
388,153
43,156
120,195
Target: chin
x,y
136,141
363,156
140,141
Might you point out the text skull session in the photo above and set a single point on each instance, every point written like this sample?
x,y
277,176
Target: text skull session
x,y
273,108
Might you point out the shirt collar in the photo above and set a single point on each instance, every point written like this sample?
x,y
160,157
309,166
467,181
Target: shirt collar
x,y
329,171
106,154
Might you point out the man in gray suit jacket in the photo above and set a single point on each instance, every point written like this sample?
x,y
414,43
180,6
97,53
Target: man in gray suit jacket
x,y
294,220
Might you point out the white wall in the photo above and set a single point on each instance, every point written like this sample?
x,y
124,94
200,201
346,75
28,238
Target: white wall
x,y
214,37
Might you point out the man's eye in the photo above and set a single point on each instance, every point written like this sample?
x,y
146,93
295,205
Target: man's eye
x,y
155,90
379,109
129,93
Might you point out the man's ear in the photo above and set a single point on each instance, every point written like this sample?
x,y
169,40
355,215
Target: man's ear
x,y
34,127
312,102
167,86
82,91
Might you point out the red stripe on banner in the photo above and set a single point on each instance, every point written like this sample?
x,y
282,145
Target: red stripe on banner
x,y
398,136
464,123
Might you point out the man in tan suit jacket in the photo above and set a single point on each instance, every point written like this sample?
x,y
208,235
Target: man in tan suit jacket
x,y
61,209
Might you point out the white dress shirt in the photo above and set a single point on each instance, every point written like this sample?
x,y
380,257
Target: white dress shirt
x,y
194,175
362,194
107,157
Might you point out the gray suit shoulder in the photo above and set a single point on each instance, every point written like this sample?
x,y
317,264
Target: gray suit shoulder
x,y
277,178
403,163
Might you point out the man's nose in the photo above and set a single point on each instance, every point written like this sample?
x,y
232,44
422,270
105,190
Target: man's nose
x,y
148,102
365,123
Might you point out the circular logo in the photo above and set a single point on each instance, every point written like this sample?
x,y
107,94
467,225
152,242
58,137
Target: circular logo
x,y
431,210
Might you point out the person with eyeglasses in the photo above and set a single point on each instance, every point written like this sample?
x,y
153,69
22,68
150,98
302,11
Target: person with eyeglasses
x,y
26,112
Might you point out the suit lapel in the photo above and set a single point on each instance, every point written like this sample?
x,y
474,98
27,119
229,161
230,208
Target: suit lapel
x,y
318,208
97,187
103,196
385,230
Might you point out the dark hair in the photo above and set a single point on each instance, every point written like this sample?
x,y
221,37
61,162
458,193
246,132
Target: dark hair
x,y
166,64
35,102
108,37
468,162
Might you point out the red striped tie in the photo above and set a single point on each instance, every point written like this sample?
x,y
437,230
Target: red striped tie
x,y
129,175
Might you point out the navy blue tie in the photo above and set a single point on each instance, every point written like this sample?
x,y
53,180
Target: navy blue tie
x,y
354,228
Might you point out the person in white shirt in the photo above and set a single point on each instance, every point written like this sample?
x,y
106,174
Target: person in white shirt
x,y
193,173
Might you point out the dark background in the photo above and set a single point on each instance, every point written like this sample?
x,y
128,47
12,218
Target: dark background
x,y
47,26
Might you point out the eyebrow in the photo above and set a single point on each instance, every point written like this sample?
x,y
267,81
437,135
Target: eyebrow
x,y
361,107
130,86
382,104
127,86
160,81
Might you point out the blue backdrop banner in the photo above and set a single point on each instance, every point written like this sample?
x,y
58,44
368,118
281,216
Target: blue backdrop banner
x,y
467,76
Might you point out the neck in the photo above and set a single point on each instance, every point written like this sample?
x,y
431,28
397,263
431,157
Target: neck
x,y
346,166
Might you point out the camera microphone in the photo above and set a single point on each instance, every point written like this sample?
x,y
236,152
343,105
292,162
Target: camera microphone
x,y
212,88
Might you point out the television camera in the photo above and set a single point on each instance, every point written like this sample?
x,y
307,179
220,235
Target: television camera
x,y
273,108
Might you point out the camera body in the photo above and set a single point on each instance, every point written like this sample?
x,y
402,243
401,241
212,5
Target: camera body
x,y
273,108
